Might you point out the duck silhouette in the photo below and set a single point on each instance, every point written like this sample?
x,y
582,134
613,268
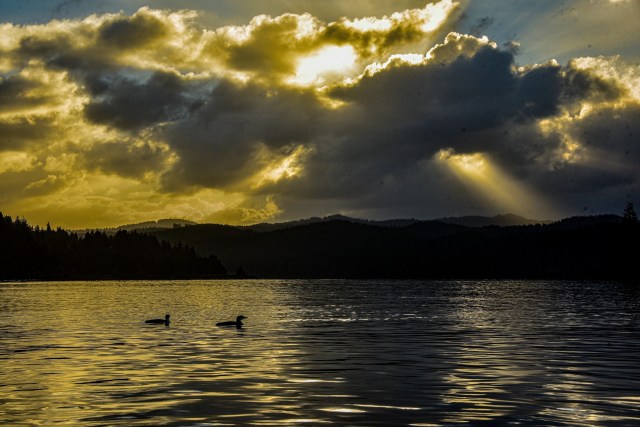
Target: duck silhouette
x,y
164,321
237,323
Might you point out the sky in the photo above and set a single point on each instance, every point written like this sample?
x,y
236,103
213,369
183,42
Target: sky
x,y
239,112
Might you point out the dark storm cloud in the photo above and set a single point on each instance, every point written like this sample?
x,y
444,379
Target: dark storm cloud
x,y
613,131
436,98
129,104
372,43
44,46
62,50
539,91
512,46
126,159
15,94
21,133
182,111
133,32
395,121
271,46
421,109
98,43
581,84
239,129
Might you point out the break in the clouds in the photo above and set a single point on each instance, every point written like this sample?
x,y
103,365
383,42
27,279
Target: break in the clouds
x,y
114,118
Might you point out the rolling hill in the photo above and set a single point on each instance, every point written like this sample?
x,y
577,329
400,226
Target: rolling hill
x,y
581,247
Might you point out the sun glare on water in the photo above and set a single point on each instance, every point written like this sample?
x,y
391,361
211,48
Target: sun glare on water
x,y
317,67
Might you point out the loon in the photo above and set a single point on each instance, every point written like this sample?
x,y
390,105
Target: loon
x,y
237,323
159,321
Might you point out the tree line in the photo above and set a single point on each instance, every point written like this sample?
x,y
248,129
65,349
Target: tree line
x,y
34,253
595,247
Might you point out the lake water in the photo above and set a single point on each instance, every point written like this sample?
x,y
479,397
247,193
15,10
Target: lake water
x,y
358,353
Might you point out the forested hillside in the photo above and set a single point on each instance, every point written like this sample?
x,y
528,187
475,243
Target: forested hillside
x,y
28,252
598,247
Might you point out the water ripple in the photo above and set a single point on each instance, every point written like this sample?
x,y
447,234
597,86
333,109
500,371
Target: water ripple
x,y
320,352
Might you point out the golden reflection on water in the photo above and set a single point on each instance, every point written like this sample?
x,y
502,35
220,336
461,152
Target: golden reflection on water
x,y
344,353
96,353
484,382
343,410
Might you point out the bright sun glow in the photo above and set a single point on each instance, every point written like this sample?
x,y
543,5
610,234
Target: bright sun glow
x,y
435,14
283,168
430,18
478,173
470,163
315,68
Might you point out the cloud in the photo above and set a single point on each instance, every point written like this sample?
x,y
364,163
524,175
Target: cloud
x,y
237,131
128,159
14,95
245,215
116,117
143,29
130,104
271,47
468,95
461,87
34,90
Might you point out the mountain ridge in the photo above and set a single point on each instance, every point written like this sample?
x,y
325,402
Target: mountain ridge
x,y
576,247
501,220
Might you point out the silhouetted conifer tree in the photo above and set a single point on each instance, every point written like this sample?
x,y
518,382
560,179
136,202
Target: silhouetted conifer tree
x,y
630,215
34,253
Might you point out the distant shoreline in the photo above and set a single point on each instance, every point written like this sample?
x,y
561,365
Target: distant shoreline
x,y
577,248
127,279
333,279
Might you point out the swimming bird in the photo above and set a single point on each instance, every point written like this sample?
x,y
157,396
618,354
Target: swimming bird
x,y
237,323
159,321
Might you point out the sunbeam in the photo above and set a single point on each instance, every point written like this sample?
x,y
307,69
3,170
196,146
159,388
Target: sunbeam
x,y
477,172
